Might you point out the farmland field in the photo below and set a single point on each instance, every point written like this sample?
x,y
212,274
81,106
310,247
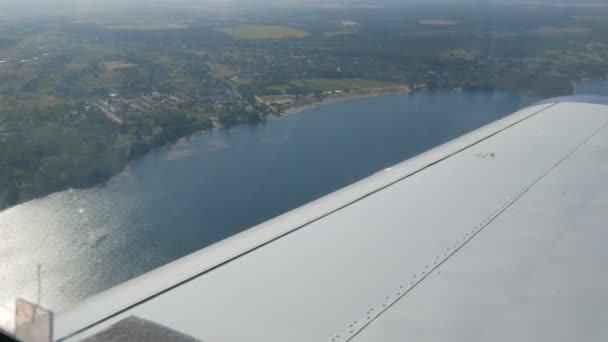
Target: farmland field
x,y
264,32
113,65
146,27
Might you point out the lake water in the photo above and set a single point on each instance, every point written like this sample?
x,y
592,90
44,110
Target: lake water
x,y
179,199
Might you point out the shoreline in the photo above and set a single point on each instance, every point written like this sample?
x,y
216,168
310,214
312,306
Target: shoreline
x,y
336,99
295,109
216,125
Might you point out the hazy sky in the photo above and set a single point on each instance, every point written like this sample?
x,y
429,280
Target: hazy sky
x,y
342,2
64,7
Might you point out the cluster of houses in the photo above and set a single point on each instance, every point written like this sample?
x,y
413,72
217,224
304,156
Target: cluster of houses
x,y
115,104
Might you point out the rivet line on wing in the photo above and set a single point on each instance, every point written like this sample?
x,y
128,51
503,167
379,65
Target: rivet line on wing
x,y
355,326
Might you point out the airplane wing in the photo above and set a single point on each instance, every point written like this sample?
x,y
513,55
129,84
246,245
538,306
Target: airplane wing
x,y
500,235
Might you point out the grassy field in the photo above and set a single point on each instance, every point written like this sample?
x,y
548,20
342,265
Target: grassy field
x,y
264,32
280,87
339,33
223,71
555,31
227,72
438,22
146,27
322,84
113,65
